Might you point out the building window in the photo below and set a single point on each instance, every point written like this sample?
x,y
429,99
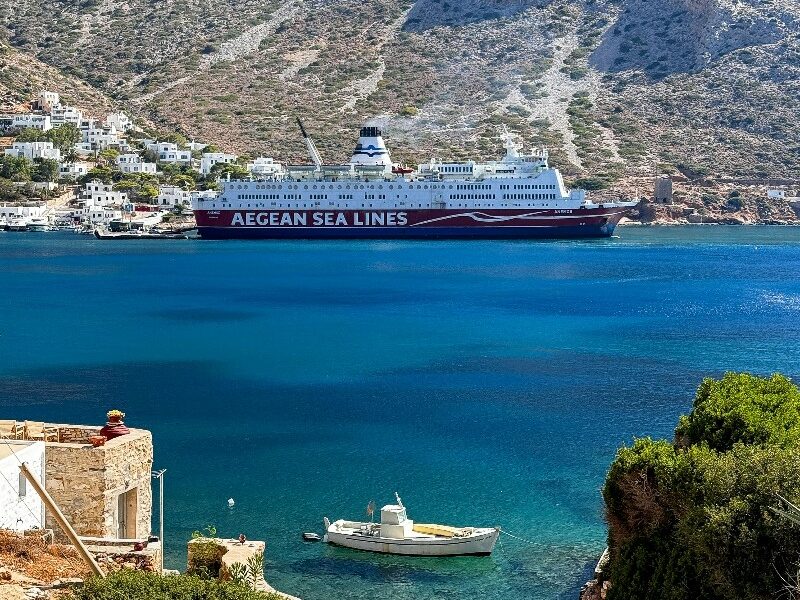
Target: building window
x,y
23,486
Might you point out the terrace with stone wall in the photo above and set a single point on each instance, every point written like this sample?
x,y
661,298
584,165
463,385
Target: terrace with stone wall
x,y
103,491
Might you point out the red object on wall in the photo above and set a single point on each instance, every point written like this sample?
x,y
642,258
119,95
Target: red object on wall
x,y
114,430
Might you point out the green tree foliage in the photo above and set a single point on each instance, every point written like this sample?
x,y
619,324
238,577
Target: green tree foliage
x,y
64,137
104,174
109,154
141,187
15,168
692,519
45,169
743,408
181,175
31,134
222,170
135,585
10,192
176,138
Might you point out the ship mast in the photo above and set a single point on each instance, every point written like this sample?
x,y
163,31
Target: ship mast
x,y
312,149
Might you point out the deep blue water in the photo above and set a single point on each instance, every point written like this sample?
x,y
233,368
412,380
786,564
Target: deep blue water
x,y
487,382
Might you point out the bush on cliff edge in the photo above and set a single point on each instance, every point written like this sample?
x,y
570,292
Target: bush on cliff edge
x,y
692,519
136,585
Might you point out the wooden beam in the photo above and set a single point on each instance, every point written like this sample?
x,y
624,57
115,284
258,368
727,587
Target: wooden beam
x,y
62,521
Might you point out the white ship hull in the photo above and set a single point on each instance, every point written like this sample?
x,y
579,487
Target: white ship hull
x,y
480,542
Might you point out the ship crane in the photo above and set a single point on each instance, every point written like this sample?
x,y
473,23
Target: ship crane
x,y
312,149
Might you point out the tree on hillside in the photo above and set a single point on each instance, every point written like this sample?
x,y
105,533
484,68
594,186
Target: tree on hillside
x,y
31,134
64,137
104,174
223,170
176,138
16,168
694,519
44,169
109,155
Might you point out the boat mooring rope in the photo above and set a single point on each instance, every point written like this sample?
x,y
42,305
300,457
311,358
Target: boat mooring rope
x,y
516,537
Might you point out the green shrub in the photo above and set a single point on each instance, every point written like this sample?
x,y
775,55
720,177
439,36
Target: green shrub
x,y
136,585
744,408
693,519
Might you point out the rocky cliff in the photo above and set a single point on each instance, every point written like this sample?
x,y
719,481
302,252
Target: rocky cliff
x,y
617,88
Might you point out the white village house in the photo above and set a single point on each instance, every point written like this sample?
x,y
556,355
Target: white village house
x,y
119,121
47,101
214,158
101,138
133,163
31,150
24,121
21,508
171,196
10,211
263,166
96,193
73,170
167,152
66,114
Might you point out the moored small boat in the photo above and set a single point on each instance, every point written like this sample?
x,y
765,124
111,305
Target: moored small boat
x,y
397,534
18,224
103,234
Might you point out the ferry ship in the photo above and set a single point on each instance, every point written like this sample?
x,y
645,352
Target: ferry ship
x,y
520,196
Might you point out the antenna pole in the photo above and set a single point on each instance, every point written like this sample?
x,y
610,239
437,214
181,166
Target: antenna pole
x,y
62,521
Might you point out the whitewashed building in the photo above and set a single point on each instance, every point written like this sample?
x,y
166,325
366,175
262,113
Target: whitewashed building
x,y
171,196
47,101
101,138
97,193
119,121
73,170
60,115
26,121
169,153
197,195
31,150
98,214
16,210
263,167
215,158
21,508
133,163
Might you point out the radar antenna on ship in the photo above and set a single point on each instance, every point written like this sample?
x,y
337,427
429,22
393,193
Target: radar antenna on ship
x,y
312,148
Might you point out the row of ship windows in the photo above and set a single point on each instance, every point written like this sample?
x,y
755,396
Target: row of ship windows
x,y
534,186
400,187
383,197
400,204
299,197
505,197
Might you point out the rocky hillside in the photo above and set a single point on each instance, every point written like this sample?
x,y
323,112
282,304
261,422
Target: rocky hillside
x,y
615,87
22,76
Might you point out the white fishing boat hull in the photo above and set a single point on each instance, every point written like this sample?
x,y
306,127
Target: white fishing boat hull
x,y
480,542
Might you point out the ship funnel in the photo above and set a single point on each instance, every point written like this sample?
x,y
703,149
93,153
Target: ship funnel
x,y
371,151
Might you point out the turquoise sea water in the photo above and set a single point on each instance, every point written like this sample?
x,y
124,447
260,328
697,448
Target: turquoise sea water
x,y
487,382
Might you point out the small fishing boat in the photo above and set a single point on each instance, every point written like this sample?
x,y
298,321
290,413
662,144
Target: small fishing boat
x,y
18,224
311,537
397,534
103,234
38,224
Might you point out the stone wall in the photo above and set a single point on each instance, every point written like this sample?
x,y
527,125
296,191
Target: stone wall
x,y
86,482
